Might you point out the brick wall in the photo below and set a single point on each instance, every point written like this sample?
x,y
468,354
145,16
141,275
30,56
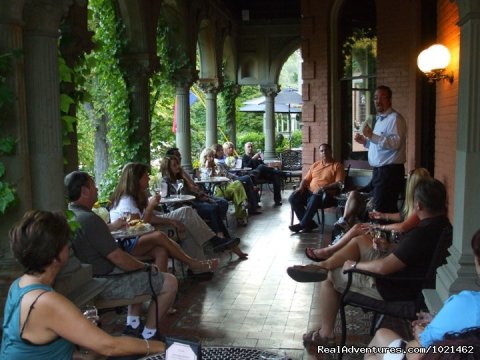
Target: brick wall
x,y
315,35
448,34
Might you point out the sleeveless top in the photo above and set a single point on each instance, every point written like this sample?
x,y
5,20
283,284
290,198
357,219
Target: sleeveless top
x,y
13,346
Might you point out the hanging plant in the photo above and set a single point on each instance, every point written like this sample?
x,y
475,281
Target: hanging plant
x,y
359,52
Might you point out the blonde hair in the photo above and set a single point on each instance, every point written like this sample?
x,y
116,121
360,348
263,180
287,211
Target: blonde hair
x,y
228,144
205,153
413,179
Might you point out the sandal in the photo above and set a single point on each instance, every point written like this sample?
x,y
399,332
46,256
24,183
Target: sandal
x,y
313,337
310,253
206,266
171,311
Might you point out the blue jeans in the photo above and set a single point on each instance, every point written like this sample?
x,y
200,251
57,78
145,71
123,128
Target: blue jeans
x,y
214,212
305,204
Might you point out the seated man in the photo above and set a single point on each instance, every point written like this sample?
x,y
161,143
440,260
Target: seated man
x,y
262,172
325,175
409,259
93,244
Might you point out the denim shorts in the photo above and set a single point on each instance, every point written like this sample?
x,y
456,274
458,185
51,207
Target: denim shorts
x,y
128,244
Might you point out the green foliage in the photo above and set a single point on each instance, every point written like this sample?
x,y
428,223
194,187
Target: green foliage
x,y
7,143
105,90
247,121
73,224
289,74
359,53
257,138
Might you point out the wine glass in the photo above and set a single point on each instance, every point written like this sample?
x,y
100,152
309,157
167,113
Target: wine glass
x,y
209,172
127,216
157,187
179,187
91,314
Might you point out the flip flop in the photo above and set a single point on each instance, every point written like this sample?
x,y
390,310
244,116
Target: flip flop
x,y
308,273
310,253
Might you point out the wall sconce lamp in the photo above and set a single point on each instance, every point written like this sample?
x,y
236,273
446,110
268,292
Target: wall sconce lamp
x,y
433,62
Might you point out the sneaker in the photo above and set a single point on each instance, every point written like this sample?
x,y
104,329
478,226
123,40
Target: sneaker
x,y
157,336
128,330
342,223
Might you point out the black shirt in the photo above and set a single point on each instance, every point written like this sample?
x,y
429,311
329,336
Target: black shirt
x,y
415,250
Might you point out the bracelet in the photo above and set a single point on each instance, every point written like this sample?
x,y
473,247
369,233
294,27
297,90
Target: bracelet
x,y
148,347
384,227
146,267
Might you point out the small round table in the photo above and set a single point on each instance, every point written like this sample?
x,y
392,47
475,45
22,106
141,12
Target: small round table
x,y
211,182
176,199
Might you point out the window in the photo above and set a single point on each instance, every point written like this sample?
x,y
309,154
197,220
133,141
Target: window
x,y
357,73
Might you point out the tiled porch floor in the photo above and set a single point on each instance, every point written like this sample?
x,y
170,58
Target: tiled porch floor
x,y
254,303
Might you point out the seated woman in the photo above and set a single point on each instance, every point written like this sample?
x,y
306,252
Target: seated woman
x,y
40,323
212,209
234,191
130,196
408,214
428,329
226,163
230,155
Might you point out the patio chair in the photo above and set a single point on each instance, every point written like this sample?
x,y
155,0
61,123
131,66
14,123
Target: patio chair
x,y
292,164
403,309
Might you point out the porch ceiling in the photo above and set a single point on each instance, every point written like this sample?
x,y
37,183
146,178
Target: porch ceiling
x,y
264,9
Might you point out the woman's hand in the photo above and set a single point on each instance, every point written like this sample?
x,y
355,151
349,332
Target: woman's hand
x,y
120,223
376,215
154,201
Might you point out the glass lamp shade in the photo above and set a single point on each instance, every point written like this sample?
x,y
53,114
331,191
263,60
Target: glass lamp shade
x,y
423,62
436,57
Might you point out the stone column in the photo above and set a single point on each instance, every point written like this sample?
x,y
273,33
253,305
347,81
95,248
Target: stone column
x,y
211,88
17,171
269,91
137,72
459,272
42,19
231,121
183,81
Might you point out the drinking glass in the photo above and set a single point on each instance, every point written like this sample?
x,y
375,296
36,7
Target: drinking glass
x,y
91,314
209,172
163,189
179,187
127,216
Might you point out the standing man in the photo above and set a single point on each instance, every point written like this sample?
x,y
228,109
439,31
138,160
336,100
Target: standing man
x,y
261,171
324,176
386,152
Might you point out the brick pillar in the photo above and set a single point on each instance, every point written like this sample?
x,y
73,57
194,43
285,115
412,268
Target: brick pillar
x,y
459,272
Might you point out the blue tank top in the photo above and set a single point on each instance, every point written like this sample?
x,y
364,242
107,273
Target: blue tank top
x,y
13,347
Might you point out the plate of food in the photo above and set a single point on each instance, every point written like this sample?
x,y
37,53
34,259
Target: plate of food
x,y
135,227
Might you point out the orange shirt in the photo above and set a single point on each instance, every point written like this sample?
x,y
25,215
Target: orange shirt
x,y
320,175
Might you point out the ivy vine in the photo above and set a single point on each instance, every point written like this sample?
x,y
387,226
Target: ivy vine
x,y
7,143
105,89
